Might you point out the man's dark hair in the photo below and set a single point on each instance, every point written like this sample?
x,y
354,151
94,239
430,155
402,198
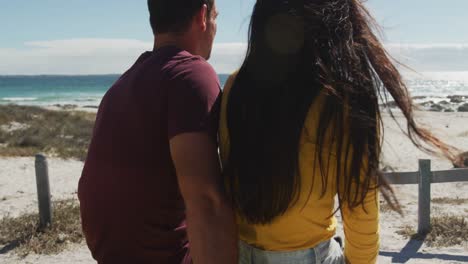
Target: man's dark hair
x,y
174,15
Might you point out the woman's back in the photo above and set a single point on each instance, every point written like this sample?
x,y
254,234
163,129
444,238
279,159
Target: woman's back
x,y
301,125
310,220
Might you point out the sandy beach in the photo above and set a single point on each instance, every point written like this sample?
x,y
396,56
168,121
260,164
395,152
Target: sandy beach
x,y
18,194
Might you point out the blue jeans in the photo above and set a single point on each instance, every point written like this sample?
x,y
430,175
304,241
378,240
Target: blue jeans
x,y
328,252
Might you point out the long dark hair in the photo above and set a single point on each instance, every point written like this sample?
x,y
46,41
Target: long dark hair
x,y
297,51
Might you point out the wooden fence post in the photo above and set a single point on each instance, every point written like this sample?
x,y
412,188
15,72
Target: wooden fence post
x,y
43,191
424,197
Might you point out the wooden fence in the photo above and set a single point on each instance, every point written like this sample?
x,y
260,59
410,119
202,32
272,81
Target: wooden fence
x,y
424,177
43,191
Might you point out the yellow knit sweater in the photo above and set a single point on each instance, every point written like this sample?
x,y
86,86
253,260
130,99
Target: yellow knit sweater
x,y
308,222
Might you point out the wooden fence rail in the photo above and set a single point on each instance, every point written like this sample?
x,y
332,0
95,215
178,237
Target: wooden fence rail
x,y
424,177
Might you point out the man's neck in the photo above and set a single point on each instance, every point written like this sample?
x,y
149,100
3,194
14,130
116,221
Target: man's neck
x,y
180,41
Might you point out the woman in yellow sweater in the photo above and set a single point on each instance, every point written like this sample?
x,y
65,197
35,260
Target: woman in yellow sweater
x,y
300,127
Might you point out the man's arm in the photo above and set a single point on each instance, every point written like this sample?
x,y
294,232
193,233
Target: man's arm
x,y
211,222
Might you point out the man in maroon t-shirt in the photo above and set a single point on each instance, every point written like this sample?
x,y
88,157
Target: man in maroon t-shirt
x,y
152,174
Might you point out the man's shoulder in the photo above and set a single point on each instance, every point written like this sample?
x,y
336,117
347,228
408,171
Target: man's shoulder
x,y
185,64
192,71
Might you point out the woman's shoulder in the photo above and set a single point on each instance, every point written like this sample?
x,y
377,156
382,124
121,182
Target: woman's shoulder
x,y
233,75
230,82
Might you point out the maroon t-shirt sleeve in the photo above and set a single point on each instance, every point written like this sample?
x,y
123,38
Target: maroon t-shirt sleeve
x,y
193,99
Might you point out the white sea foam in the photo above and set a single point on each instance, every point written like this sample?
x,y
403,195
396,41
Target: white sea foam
x,y
437,84
19,99
459,76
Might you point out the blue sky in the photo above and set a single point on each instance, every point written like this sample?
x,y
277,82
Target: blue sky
x,y
104,36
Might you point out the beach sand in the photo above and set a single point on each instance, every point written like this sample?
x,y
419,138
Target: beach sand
x,y
18,195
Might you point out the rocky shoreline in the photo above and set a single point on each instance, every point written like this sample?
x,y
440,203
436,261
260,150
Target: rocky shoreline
x,y
451,103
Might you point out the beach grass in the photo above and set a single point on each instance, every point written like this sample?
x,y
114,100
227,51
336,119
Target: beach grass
x,y
23,236
28,130
446,231
450,201
386,208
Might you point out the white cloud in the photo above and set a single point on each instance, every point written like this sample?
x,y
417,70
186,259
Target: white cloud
x,y
96,56
416,46
102,56
227,57
73,56
431,57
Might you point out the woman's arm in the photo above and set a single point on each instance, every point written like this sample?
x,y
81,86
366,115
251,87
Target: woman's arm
x,y
361,227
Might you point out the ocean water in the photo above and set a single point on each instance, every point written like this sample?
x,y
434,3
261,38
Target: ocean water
x,y
50,90
81,91
86,91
